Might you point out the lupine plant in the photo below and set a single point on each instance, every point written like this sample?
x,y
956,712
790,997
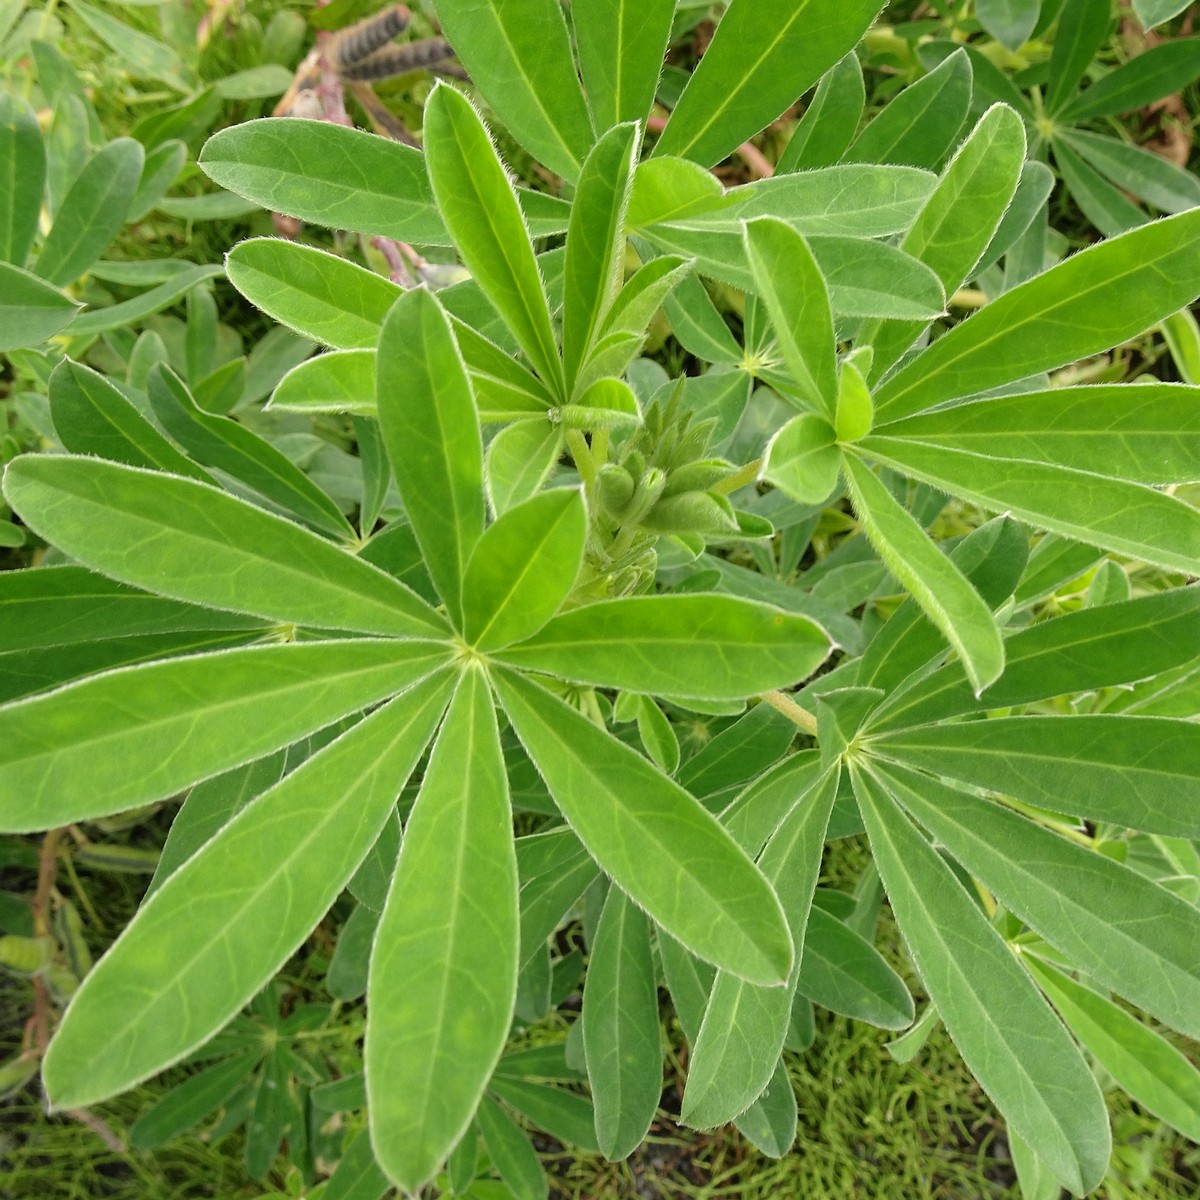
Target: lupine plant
x,y
562,557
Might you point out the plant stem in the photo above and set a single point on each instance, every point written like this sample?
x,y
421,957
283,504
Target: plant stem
x,y
739,479
582,456
790,709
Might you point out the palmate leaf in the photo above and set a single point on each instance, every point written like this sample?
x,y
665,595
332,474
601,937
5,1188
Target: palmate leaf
x,y
1005,1031
444,964
431,431
157,995
703,890
1120,927
185,539
704,646
128,737
1089,303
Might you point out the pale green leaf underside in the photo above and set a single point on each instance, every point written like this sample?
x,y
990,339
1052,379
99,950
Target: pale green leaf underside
x,y
703,646
702,889
131,736
193,542
444,963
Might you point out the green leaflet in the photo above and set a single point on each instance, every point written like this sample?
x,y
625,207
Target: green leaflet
x,y
193,542
1156,72
843,972
128,737
865,278
518,460
92,212
336,381
223,444
311,291
849,199
740,1040
1147,434
1093,648
1104,205
949,601
763,55
596,243
703,890
957,223
92,416
260,886
704,646
1112,922
554,870
444,964
22,178
1088,303
562,1114
1009,21
790,284
31,311
59,606
1129,518
1128,770
329,175
24,672
210,806
1004,1030
523,568
185,1106
1143,173
993,558
621,44
480,208
830,120
511,1153
519,56
357,1175
921,123
130,312
1082,28
621,1036
1144,1064
431,431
